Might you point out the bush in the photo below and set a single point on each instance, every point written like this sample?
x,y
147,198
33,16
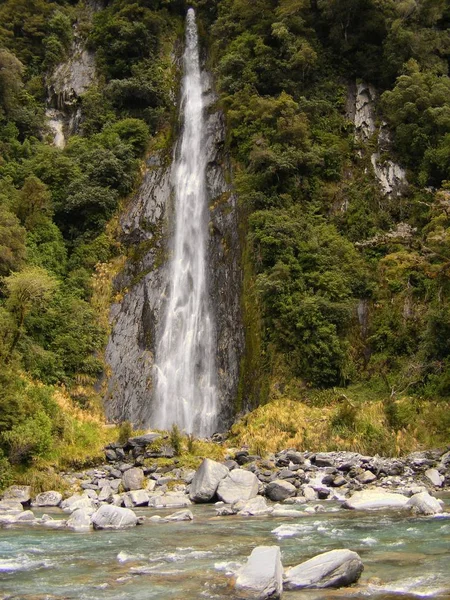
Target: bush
x,y
30,439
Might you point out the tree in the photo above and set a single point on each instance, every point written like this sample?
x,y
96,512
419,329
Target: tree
x,y
29,289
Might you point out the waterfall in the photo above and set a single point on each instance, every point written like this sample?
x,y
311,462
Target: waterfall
x,y
185,372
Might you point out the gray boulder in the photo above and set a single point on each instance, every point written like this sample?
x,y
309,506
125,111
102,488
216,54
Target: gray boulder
x,y
50,498
133,479
105,494
79,520
113,517
169,501
10,507
262,576
26,516
139,497
20,493
375,498
279,490
366,477
333,569
206,480
434,476
425,504
79,501
238,485
253,507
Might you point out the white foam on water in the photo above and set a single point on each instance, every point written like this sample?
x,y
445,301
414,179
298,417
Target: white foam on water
x,y
22,562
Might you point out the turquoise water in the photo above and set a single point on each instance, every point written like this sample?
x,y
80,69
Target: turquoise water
x,y
404,557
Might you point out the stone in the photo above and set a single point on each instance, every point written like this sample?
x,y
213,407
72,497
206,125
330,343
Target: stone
x,y
366,477
206,480
143,440
238,485
113,517
133,479
181,515
425,504
25,516
169,501
279,490
50,498
262,575
21,493
139,497
10,506
295,457
79,501
79,520
333,569
110,455
434,476
309,493
105,494
338,481
254,507
322,459
375,498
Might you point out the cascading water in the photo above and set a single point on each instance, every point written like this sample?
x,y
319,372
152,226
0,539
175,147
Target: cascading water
x,y
185,372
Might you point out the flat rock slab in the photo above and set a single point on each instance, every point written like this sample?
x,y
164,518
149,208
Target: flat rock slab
x,y
238,485
167,501
206,480
113,517
333,569
375,498
262,576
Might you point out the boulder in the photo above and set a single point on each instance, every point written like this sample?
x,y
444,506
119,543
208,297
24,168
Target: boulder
x,y
79,520
105,494
206,480
366,477
113,517
375,498
79,501
25,516
279,490
139,497
10,507
143,440
133,479
333,569
309,493
434,476
254,507
262,576
425,504
238,485
50,498
19,493
169,501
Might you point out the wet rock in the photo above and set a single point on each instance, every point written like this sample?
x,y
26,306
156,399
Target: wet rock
x,y
333,569
262,576
50,498
206,480
169,501
254,507
133,479
113,517
425,504
434,476
79,520
375,498
181,515
279,490
20,493
238,485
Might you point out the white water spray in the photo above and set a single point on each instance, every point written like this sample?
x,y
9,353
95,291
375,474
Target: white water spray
x,y
185,372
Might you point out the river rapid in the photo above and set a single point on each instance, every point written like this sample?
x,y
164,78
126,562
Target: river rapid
x,y
404,557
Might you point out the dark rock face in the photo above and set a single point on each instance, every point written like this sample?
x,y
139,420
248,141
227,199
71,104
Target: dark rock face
x,y
144,280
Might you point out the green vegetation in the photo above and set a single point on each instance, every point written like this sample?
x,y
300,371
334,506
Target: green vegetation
x,y
58,250
321,240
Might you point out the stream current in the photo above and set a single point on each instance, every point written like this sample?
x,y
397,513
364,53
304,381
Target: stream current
x,y
404,557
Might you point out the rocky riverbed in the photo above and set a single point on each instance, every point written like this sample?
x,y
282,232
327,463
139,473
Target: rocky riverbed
x,y
287,490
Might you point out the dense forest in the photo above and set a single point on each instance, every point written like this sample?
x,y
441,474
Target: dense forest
x,y
320,238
